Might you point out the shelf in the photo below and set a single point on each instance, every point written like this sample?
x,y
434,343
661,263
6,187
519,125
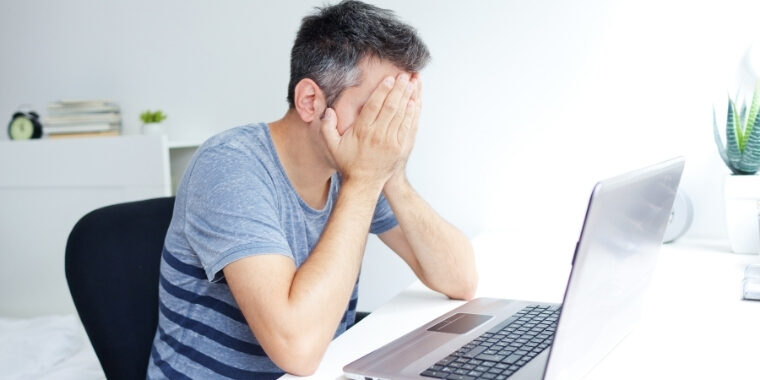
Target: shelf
x,y
181,144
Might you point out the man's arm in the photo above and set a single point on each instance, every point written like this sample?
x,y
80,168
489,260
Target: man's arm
x,y
294,313
439,254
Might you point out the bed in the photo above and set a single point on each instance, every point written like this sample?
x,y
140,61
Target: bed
x,y
49,347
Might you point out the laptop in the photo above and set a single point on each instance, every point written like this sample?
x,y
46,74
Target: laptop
x,y
489,338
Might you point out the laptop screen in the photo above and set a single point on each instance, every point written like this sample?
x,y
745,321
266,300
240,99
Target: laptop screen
x,y
613,264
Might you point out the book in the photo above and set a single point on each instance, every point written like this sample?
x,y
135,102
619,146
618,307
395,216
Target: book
x,y
67,107
88,134
90,109
57,109
77,117
75,128
83,118
79,104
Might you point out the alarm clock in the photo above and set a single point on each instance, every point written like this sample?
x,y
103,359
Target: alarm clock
x,y
24,126
681,216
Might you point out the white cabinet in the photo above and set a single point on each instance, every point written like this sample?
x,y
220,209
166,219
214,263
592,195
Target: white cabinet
x,y
47,185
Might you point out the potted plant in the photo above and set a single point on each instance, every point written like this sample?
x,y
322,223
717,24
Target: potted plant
x,y
152,122
741,153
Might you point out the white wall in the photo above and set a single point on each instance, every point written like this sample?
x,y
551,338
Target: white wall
x,y
527,103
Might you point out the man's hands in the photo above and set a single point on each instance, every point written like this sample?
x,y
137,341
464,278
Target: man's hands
x,y
378,144
399,176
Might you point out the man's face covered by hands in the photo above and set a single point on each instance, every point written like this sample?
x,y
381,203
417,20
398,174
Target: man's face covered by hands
x,y
370,130
352,99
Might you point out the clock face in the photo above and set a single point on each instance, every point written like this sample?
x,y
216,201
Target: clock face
x,y
21,128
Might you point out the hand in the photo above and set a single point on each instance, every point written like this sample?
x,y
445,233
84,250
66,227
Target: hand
x,y
378,142
399,175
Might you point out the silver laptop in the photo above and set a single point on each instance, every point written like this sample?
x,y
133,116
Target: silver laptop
x,y
490,338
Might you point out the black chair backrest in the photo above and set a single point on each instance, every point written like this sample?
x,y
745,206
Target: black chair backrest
x,y
112,268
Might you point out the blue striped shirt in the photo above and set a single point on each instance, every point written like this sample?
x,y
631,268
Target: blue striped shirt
x,y
234,201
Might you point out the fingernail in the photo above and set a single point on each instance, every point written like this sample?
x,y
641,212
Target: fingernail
x,y
411,104
389,81
404,78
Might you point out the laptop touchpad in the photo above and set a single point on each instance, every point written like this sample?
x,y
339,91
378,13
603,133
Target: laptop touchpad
x,y
460,323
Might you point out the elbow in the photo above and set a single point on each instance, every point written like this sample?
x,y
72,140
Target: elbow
x,y
467,289
300,368
467,286
468,283
300,357
471,288
464,289
471,282
464,286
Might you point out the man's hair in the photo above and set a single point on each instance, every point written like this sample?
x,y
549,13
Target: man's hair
x,y
331,43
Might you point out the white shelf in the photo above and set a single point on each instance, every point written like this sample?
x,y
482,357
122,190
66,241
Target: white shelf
x,y
46,186
180,144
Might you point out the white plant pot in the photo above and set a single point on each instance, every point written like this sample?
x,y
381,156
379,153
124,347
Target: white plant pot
x,y
154,129
742,196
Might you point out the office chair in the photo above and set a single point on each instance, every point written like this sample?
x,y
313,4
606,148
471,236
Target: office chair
x,y
112,268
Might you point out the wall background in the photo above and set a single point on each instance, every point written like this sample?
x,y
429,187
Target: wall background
x,y
527,103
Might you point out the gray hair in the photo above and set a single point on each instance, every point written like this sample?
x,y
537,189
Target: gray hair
x,y
331,43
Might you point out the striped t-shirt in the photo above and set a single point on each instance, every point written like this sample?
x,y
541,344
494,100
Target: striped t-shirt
x,y
234,201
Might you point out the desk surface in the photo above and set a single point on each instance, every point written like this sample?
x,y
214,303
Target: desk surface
x,y
694,324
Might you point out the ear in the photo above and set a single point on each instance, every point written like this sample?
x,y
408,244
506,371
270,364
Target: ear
x,y
309,100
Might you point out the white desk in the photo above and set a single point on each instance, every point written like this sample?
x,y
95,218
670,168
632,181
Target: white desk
x,y
694,325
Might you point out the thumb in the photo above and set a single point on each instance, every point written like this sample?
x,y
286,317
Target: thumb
x,y
330,129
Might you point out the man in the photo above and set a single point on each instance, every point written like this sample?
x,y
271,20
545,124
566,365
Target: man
x,y
262,256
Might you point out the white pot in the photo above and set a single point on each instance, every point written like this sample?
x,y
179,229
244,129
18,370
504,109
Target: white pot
x,y
154,129
742,196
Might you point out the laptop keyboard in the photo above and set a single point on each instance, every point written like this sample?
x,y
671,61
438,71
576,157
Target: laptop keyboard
x,y
502,350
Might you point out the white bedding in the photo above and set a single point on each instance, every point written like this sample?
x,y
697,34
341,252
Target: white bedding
x,y
49,347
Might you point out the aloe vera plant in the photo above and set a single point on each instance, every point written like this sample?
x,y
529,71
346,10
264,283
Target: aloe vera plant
x,y
742,150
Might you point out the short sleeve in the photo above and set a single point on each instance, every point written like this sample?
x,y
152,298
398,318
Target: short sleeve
x,y
383,219
231,210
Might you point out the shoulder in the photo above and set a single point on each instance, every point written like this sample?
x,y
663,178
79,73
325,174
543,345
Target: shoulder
x,y
238,157
246,140
248,146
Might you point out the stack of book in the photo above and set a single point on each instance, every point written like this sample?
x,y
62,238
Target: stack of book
x,y
82,118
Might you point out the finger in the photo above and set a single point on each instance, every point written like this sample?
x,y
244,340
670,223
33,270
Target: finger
x,y
392,103
411,91
406,126
330,129
410,132
372,107
418,99
399,116
418,79
417,113
418,91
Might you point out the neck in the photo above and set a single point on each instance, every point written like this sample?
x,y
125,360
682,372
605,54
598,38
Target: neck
x,y
304,157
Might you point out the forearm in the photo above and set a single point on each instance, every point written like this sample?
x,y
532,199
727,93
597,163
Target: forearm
x,y
322,286
443,254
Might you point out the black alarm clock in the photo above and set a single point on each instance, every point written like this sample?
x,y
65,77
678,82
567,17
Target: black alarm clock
x,y
24,126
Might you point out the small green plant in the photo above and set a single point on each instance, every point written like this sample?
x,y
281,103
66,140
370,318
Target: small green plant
x,y
742,150
148,117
